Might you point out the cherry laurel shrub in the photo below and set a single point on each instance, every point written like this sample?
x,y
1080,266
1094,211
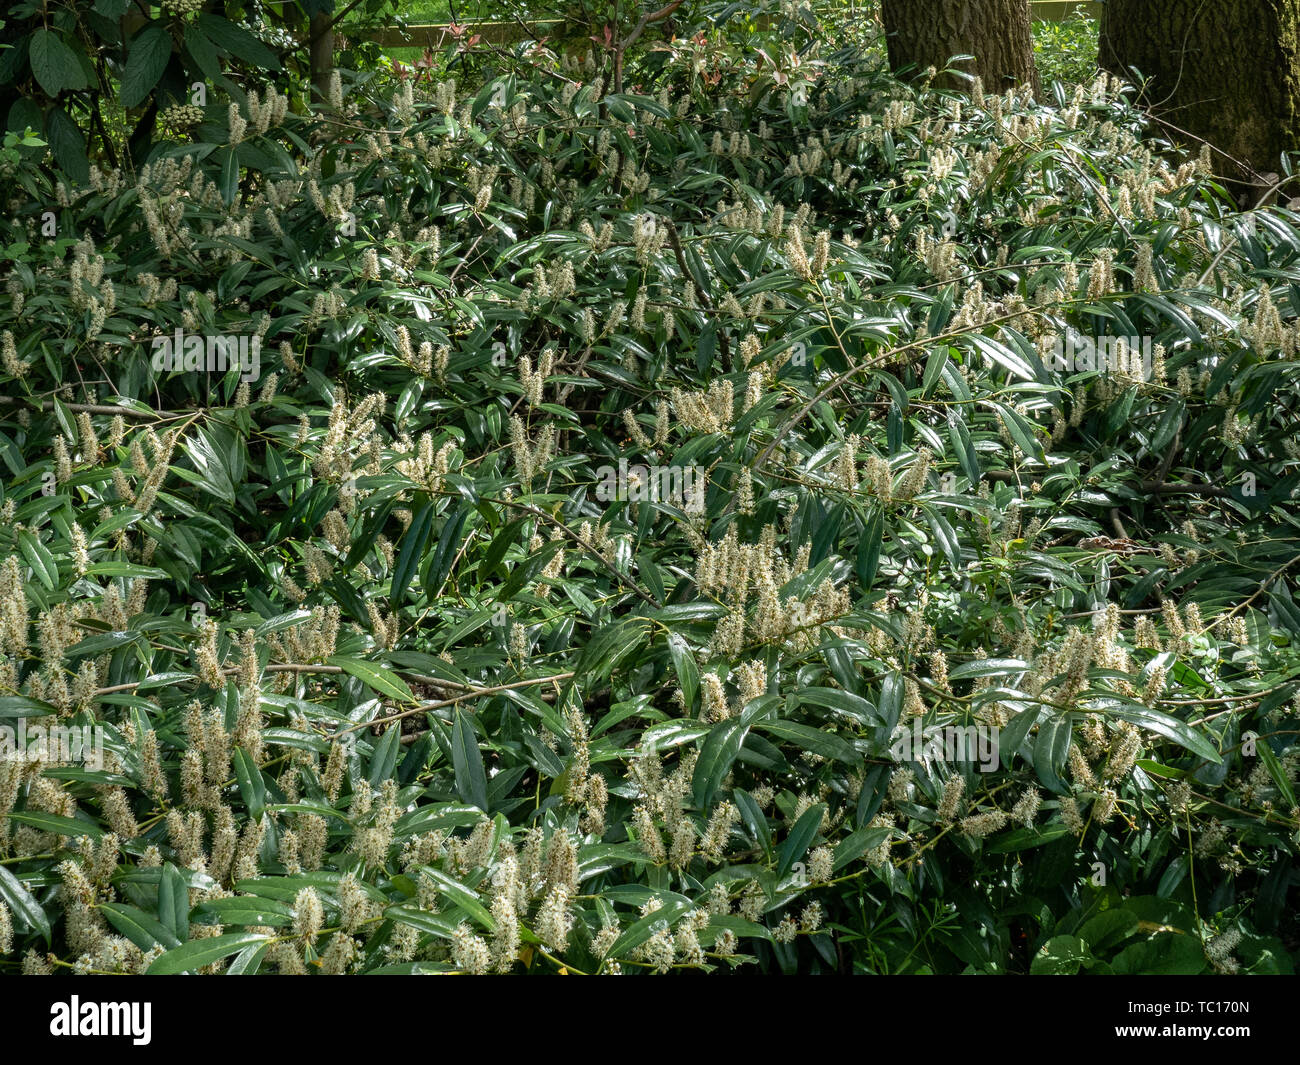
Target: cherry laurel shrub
x,y
964,656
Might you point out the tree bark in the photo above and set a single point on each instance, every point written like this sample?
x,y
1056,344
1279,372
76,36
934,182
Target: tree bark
x,y
1226,71
321,55
996,32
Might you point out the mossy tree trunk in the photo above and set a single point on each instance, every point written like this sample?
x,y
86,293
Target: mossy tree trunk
x,y
996,32
1227,72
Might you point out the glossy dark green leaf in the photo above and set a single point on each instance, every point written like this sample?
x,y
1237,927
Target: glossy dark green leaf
x,y
174,902
717,756
413,543
251,785
189,957
22,905
800,838
141,929
471,779
236,41
378,678
688,673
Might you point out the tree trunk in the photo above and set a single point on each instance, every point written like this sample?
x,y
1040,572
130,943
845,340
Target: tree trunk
x,y
996,32
1227,72
321,53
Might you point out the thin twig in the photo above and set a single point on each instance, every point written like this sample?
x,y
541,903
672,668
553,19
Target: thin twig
x,y
437,704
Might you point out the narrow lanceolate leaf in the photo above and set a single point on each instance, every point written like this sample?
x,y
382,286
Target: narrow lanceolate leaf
x,y
228,186
251,785
144,931
1051,748
384,759
237,41
988,667
24,907
13,706
413,542
174,902
471,780
639,931
716,758
1277,772
246,910
688,673
248,960
57,824
814,740
752,817
847,703
454,893
853,846
800,838
444,556
379,678
1170,727
189,957
37,555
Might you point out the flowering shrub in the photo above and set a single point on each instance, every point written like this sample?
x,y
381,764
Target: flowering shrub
x,y
303,425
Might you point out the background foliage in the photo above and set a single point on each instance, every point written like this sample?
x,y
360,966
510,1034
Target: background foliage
x,y
386,687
